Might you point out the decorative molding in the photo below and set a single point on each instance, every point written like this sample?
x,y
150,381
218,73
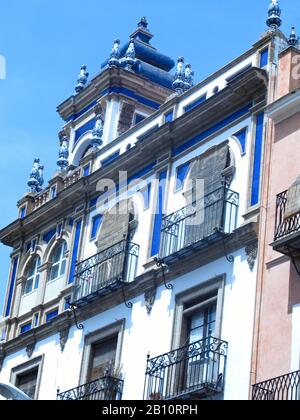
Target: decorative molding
x,y
251,251
150,296
30,349
63,337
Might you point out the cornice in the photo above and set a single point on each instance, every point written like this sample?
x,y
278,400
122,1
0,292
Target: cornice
x,y
285,107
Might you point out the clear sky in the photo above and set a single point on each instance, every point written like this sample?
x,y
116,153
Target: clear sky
x,y
44,43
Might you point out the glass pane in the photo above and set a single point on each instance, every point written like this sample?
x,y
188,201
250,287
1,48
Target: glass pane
x,y
26,382
196,335
37,280
28,285
63,268
56,254
54,272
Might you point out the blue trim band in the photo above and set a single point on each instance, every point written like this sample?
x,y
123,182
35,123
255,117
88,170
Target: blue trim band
x,y
12,286
127,92
75,251
110,159
159,214
264,58
257,159
83,111
202,136
181,174
197,102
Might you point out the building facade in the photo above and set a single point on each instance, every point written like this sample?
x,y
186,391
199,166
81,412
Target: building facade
x,y
134,272
276,356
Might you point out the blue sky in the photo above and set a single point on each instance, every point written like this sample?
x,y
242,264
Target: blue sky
x,y
44,43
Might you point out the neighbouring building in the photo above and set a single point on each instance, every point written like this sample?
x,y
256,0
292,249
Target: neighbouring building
x,y
276,354
134,272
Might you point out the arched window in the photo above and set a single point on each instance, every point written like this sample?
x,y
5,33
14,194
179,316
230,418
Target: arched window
x,y
32,276
58,261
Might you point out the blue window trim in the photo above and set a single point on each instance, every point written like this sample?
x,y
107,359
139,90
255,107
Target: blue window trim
x,y
159,214
169,116
36,320
67,303
221,124
23,212
25,328
96,222
257,159
242,138
86,170
53,192
197,102
51,315
146,193
264,58
80,113
181,174
75,250
12,286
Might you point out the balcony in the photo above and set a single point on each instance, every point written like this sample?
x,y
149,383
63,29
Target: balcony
x,y
194,227
196,371
287,228
283,388
107,388
105,272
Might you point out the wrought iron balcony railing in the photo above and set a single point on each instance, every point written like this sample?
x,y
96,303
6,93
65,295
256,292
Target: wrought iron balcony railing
x,y
105,271
192,372
106,388
284,225
210,218
283,388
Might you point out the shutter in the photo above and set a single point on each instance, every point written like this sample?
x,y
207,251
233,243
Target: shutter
x,y
208,167
103,358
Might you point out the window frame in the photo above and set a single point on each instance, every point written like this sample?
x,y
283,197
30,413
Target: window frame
x,y
62,260
35,277
25,368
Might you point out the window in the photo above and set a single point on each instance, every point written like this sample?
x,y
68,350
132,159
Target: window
x,y
264,58
53,192
169,116
86,170
58,261
51,315
26,327
96,221
32,276
27,382
103,357
23,212
181,174
27,376
202,324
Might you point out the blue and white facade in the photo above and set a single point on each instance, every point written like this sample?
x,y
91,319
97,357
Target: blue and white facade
x,y
144,282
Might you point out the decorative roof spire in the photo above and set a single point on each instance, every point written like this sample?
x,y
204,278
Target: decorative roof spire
x,y
115,54
188,77
63,161
293,39
184,77
274,12
129,60
82,79
97,132
36,179
143,24
178,83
